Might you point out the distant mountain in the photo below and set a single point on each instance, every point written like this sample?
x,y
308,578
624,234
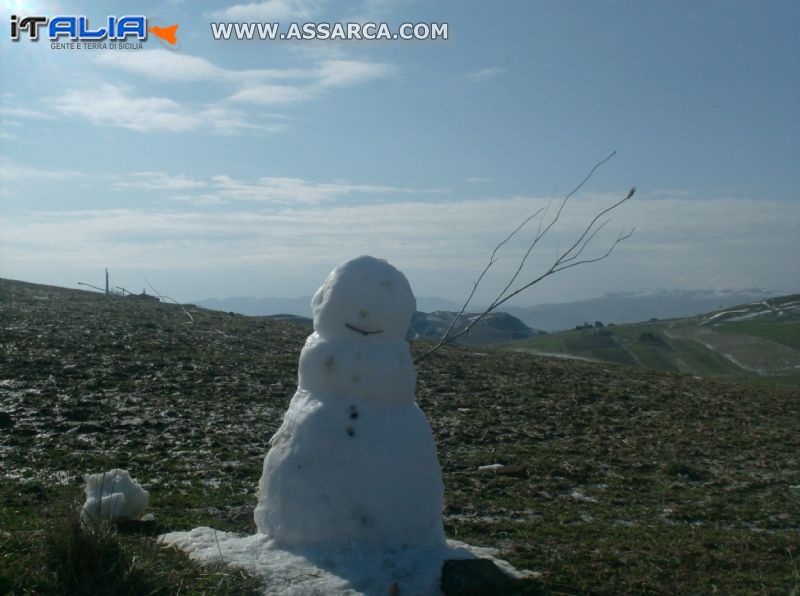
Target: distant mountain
x,y
494,328
632,307
300,305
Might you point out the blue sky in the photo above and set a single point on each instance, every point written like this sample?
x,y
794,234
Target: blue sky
x,y
253,168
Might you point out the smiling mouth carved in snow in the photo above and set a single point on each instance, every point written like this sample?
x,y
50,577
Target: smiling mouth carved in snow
x,y
362,331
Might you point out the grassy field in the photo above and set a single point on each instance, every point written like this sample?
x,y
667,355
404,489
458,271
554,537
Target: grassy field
x,y
783,332
614,479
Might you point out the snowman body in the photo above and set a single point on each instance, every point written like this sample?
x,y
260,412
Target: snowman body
x,y
354,462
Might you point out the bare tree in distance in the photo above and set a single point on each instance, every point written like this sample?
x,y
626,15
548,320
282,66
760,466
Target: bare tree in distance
x,y
570,258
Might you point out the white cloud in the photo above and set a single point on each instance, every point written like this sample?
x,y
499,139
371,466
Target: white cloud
x,y
669,193
272,189
679,242
24,113
272,94
329,74
165,65
269,10
111,106
484,74
8,124
345,73
12,112
11,170
157,181
114,106
228,121
257,87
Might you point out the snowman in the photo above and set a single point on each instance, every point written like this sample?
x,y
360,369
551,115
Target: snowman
x,y
354,463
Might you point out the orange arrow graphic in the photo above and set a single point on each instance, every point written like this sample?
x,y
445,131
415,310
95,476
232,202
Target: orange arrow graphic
x,y
165,33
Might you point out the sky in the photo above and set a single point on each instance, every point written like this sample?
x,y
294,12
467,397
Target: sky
x,y
252,168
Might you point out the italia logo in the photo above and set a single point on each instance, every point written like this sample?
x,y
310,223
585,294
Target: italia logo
x,y
77,28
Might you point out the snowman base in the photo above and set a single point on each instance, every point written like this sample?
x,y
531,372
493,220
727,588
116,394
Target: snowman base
x,y
329,570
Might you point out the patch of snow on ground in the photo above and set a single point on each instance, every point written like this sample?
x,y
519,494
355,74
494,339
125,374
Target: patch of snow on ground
x,y
491,467
721,314
579,496
311,570
751,315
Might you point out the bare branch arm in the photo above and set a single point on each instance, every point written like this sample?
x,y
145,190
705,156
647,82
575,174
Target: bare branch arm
x,y
491,262
521,289
568,259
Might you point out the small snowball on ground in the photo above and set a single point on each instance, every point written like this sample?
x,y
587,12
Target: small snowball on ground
x,y
113,495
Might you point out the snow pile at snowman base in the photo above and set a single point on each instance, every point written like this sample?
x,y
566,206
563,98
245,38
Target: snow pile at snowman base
x,y
113,495
307,570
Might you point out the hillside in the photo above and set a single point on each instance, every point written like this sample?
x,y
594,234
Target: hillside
x,y
759,340
631,307
604,479
494,328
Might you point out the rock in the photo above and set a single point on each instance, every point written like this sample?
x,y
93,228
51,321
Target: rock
x,y
476,577
6,421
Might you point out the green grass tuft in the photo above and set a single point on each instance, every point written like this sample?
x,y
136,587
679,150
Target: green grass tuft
x,y
89,559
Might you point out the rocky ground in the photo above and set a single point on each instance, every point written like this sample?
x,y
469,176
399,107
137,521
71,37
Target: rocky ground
x,y
604,479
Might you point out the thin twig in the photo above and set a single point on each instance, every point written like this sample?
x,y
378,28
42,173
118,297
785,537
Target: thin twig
x,y
221,558
186,312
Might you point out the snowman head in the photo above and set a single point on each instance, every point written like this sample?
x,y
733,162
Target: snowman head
x,y
364,298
